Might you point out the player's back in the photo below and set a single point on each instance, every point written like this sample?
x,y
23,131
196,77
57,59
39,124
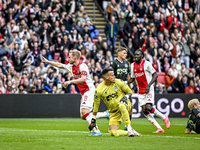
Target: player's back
x,y
112,94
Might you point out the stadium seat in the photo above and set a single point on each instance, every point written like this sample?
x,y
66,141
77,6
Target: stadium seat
x,y
94,41
161,77
56,56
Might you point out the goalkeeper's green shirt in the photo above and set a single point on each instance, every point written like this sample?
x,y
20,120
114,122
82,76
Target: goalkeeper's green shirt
x,y
111,95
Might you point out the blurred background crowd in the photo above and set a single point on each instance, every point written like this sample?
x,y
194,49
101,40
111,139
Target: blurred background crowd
x,y
168,31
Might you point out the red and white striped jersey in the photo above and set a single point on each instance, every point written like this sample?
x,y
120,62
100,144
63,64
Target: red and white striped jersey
x,y
143,74
77,71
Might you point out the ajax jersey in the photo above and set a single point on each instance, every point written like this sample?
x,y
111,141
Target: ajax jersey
x,y
78,71
143,74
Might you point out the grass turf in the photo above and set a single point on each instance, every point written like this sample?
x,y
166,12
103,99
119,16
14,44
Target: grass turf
x,y
72,134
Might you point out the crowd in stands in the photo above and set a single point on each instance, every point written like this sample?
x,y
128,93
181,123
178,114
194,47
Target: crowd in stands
x,y
167,31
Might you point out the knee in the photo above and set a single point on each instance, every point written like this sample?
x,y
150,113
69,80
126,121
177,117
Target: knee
x,y
122,106
82,116
84,113
148,107
113,133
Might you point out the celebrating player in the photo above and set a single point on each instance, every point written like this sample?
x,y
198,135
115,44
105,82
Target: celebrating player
x,y
121,69
142,71
111,91
194,117
84,82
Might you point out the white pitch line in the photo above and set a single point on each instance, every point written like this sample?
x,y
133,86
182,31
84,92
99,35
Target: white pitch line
x,y
71,131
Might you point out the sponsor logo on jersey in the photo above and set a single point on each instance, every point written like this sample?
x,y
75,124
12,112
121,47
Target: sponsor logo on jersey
x,y
121,71
115,88
139,74
110,97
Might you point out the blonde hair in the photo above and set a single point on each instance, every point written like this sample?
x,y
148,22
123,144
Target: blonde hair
x,y
121,49
192,102
76,53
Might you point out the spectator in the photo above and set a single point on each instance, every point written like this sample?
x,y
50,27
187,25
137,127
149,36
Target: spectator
x,y
21,89
73,89
160,89
185,52
184,69
178,85
2,89
33,90
111,30
84,19
197,67
191,88
173,70
140,12
168,81
49,86
121,23
4,67
156,64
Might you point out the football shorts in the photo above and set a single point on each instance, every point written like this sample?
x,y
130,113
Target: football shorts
x,y
146,98
87,100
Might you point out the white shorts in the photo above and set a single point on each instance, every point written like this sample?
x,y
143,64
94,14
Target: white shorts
x,y
146,98
87,100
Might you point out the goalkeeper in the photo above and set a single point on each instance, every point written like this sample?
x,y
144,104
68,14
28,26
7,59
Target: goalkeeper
x,y
111,91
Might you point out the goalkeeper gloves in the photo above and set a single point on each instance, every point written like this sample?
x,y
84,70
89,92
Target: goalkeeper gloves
x,y
92,125
124,100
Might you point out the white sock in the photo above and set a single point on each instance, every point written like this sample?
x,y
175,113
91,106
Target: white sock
x,y
101,115
153,121
129,128
159,114
88,119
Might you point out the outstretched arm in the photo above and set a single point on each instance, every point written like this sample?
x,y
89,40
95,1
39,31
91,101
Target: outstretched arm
x,y
56,64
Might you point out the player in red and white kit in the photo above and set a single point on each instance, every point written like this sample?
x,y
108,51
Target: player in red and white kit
x,y
82,78
142,71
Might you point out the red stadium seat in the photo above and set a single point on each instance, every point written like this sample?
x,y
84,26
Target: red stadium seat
x,y
94,41
56,56
161,77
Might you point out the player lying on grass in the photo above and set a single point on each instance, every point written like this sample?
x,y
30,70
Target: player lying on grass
x,y
194,117
142,71
84,82
112,92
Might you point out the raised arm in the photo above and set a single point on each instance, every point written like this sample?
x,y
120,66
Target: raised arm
x,y
56,64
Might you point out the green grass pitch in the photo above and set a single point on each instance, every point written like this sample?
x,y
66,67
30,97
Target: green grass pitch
x,y
72,134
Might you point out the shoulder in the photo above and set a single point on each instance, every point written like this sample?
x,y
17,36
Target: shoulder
x,y
118,81
146,62
99,88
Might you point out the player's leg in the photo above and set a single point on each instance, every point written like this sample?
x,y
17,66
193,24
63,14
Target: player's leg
x,y
130,113
114,123
151,119
104,114
153,110
87,101
143,100
115,132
